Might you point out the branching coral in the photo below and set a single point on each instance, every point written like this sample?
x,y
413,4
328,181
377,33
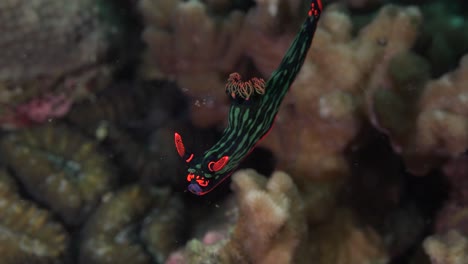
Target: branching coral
x,y
28,234
450,248
188,44
193,44
270,225
449,243
442,124
323,110
427,122
59,167
342,241
268,30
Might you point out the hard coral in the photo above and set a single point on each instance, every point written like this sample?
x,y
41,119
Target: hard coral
x,y
60,168
191,43
188,44
29,234
324,109
271,223
442,124
342,241
270,228
49,48
107,236
427,123
450,248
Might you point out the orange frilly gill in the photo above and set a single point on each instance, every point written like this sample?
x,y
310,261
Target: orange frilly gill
x,y
254,105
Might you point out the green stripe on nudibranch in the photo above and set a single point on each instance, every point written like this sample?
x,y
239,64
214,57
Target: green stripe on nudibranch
x,y
254,106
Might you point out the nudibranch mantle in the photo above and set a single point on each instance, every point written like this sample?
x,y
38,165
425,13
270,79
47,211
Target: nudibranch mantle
x,y
254,105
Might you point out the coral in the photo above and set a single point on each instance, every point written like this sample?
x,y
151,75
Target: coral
x,y
268,30
454,214
270,225
342,241
456,173
122,116
108,234
164,227
49,49
325,107
271,222
442,122
29,234
60,168
450,248
427,121
133,225
394,108
187,44
320,105
42,109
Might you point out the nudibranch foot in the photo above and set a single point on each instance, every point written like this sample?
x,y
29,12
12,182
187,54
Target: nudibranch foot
x,y
235,87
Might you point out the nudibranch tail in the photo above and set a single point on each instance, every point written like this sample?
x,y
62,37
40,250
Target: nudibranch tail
x,y
249,122
244,89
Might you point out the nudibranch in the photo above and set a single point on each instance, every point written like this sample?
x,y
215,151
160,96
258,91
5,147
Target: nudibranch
x,y
254,105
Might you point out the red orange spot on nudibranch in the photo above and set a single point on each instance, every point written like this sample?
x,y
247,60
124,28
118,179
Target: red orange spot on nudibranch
x,y
202,182
189,158
190,177
216,166
315,9
179,144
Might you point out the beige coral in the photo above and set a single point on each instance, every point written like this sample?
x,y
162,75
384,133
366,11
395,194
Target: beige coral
x,y
193,47
442,124
427,121
342,240
270,228
449,248
271,222
324,109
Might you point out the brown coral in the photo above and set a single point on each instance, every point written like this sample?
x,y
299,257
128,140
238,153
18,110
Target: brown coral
x,y
59,167
442,123
342,241
107,236
324,109
48,47
270,225
450,248
271,222
29,235
187,44
426,120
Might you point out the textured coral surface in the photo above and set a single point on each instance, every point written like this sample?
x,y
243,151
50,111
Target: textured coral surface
x,y
49,49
